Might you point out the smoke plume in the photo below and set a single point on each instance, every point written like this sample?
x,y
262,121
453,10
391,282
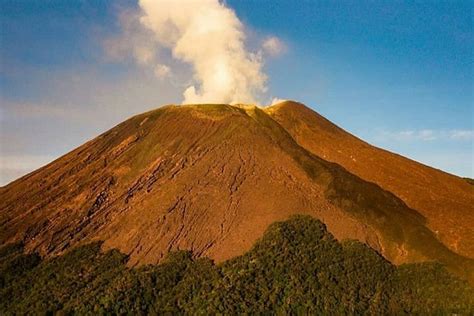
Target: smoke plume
x,y
209,37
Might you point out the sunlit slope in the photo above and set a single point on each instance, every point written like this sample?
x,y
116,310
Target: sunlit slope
x,y
446,201
208,178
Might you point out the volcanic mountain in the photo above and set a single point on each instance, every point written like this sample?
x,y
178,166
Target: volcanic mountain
x,y
212,178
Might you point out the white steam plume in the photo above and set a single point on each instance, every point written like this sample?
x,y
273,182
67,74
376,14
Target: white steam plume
x,y
209,36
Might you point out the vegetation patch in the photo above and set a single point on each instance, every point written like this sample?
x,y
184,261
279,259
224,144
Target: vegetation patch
x,y
297,267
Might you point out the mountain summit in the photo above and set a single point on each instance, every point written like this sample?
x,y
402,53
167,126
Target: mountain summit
x,y
212,178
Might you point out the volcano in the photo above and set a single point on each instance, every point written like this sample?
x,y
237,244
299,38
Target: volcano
x,y
212,178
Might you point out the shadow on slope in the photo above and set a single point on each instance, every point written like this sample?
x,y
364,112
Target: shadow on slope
x,y
403,232
445,200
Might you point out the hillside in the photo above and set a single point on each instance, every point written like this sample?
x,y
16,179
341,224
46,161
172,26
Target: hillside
x,y
297,267
446,201
209,179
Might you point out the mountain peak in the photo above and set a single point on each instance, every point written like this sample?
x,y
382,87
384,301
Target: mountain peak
x,y
287,103
210,178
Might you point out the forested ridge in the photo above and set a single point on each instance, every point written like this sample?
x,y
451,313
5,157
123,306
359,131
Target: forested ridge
x,y
297,267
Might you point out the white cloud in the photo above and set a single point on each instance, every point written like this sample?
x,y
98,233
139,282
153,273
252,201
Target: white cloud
x,y
427,135
203,34
273,46
209,36
462,134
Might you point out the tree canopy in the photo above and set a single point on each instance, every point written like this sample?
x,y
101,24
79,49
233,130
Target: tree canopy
x,y
297,267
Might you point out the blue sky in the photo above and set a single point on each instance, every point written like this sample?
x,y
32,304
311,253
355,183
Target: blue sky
x,y
398,74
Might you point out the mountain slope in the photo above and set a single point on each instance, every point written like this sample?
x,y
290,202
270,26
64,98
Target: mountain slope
x,y
208,178
446,201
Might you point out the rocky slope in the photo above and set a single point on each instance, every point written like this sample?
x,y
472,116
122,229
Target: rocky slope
x,y
211,179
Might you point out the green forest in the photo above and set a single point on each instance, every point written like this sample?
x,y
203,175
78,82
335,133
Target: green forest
x,y
297,267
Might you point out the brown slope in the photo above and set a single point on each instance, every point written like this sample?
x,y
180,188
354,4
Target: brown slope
x,y
208,178
204,178
445,200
